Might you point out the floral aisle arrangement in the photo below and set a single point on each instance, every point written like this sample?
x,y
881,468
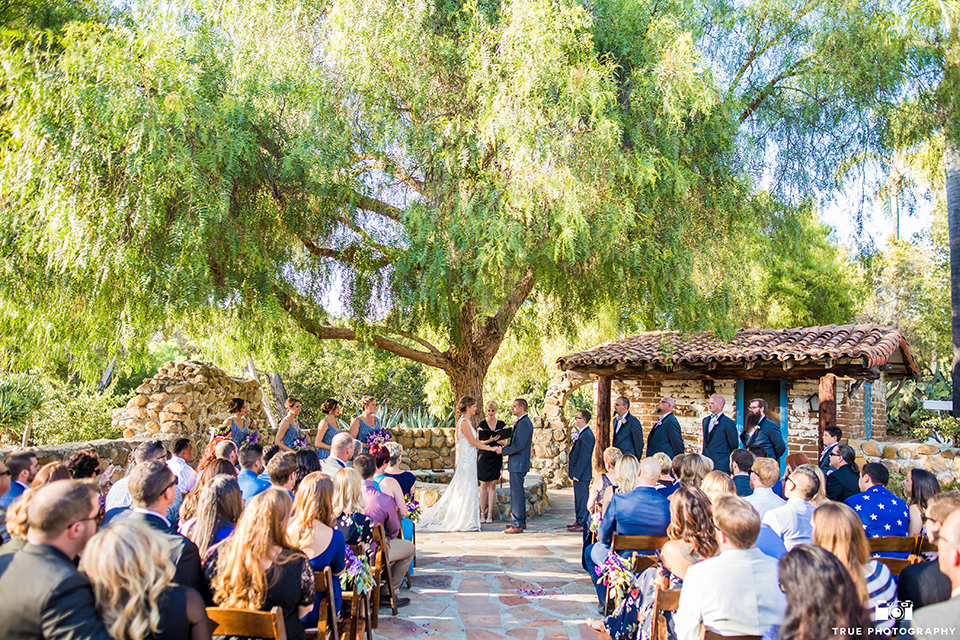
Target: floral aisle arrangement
x,y
413,507
617,575
357,573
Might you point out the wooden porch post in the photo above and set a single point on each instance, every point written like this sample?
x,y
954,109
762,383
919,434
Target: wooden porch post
x,y
828,407
604,435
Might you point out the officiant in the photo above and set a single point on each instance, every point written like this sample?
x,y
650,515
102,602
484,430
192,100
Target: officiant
x,y
489,464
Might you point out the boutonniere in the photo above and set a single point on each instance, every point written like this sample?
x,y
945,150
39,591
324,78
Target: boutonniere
x,y
575,437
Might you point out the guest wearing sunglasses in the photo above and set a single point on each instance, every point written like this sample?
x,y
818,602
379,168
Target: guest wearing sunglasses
x,y
844,482
792,521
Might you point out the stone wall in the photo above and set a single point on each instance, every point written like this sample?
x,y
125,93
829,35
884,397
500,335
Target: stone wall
x,y
534,490
900,457
188,399
426,448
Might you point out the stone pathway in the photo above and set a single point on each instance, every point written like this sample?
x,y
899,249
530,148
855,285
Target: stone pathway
x,y
487,585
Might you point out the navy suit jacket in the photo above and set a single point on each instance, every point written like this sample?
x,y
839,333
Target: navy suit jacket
x,y
665,437
721,442
641,512
843,483
16,490
519,447
767,435
825,460
580,465
629,439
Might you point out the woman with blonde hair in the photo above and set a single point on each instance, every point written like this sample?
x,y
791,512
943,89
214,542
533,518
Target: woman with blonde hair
x,y
602,479
130,570
258,568
626,474
289,430
838,529
694,468
717,483
348,506
821,496
311,530
490,466
365,423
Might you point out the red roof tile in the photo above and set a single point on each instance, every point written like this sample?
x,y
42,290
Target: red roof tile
x,y
874,343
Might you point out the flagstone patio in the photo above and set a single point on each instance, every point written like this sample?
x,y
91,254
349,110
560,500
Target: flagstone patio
x,y
487,585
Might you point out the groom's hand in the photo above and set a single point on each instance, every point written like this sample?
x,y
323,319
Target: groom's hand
x,y
499,450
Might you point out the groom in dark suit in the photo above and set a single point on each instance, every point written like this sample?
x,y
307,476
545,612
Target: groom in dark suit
x,y
627,432
665,436
719,435
519,464
580,468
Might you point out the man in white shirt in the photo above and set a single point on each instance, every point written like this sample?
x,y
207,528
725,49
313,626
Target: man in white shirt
x,y
736,592
179,464
765,473
793,521
933,619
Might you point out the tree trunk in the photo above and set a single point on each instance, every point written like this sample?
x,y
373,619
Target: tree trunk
x,y
951,162
468,381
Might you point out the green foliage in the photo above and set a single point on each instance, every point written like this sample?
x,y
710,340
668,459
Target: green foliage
x,y
77,414
21,398
942,426
905,412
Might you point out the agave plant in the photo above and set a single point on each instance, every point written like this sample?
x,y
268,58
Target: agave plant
x,y
20,400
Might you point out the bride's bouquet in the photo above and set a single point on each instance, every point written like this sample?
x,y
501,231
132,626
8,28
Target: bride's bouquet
x,y
378,437
357,573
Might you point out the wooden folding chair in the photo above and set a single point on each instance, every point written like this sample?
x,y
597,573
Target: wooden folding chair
x,y
706,634
640,562
251,624
925,546
359,621
895,544
381,568
663,600
328,606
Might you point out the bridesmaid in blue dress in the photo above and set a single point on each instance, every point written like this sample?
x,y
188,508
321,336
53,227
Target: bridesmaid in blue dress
x,y
236,425
327,428
311,530
366,423
289,430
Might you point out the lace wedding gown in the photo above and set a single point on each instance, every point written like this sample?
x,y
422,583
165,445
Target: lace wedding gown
x,y
458,509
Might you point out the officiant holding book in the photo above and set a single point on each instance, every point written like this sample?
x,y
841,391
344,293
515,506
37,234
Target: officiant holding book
x,y
519,464
490,463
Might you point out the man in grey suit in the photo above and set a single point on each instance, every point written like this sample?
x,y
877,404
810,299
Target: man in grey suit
x,y
580,469
943,619
519,464
342,449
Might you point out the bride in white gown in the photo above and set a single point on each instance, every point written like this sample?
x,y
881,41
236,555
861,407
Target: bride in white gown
x,y
458,509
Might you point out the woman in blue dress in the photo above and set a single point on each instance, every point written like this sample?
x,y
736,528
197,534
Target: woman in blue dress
x,y
236,425
327,428
289,431
366,423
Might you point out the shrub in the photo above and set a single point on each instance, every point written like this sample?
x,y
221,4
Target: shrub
x,y
76,414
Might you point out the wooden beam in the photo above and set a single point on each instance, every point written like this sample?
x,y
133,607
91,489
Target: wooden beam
x,y
604,434
748,365
828,407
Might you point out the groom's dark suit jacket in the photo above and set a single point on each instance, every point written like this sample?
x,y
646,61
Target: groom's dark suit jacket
x,y
580,463
519,447
721,442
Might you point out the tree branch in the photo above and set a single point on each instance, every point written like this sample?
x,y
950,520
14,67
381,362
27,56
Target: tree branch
x,y
499,322
789,72
418,340
343,255
394,169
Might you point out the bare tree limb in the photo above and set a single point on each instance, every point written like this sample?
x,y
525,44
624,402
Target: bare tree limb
x,y
394,169
346,256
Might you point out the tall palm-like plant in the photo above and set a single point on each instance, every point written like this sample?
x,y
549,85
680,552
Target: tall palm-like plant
x,y
21,399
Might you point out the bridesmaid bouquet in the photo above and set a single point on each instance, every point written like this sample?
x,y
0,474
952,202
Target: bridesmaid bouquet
x,y
413,507
617,575
252,438
357,573
300,443
377,436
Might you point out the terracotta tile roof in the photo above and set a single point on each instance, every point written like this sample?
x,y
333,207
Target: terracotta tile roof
x,y
873,343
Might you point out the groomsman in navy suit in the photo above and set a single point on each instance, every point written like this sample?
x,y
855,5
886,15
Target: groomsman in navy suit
x,y
762,431
665,436
580,469
627,432
719,435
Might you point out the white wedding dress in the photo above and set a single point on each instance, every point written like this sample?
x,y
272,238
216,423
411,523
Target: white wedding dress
x,y
458,509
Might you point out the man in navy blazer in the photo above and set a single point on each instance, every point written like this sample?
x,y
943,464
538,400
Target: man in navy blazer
x,y
665,436
763,432
23,469
831,439
580,468
641,512
518,464
627,432
719,434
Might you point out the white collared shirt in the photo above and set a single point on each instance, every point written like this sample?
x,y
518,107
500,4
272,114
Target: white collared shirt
x,y
186,476
152,513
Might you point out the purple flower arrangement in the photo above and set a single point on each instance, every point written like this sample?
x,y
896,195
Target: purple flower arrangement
x,y
413,507
300,443
616,574
252,438
377,436
357,573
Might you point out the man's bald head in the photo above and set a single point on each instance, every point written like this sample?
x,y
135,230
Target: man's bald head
x,y
719,399
649,471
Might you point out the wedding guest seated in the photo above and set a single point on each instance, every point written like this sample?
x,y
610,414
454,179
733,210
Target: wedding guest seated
x,y
790,463
792,521
603,479
626,474
741,464
51,472
23,469
919,486
251,465
153,488
821,495
882,513
269,451
640,512
736,592
390,487
341,452
179,463
666,483
218,511
694,468
17,523
393,470
768,542
218,467
311,530
348,505
4,487
44,596
307,463
283,469
844,481
213,451
383,510
257,568
765,473
821,598
837,529
717,483
935,617
129,568
923,583
119,497
86,463
227,450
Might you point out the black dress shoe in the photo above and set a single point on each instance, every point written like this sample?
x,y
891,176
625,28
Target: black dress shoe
x,y
401,602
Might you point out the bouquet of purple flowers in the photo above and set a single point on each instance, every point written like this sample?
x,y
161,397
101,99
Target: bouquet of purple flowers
x,y
616,574
595,519
357,573
252,438
377,436
300,443
413,507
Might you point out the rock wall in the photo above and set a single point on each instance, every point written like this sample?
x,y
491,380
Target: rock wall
x,y
426,448
899,457
534,490
188,399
